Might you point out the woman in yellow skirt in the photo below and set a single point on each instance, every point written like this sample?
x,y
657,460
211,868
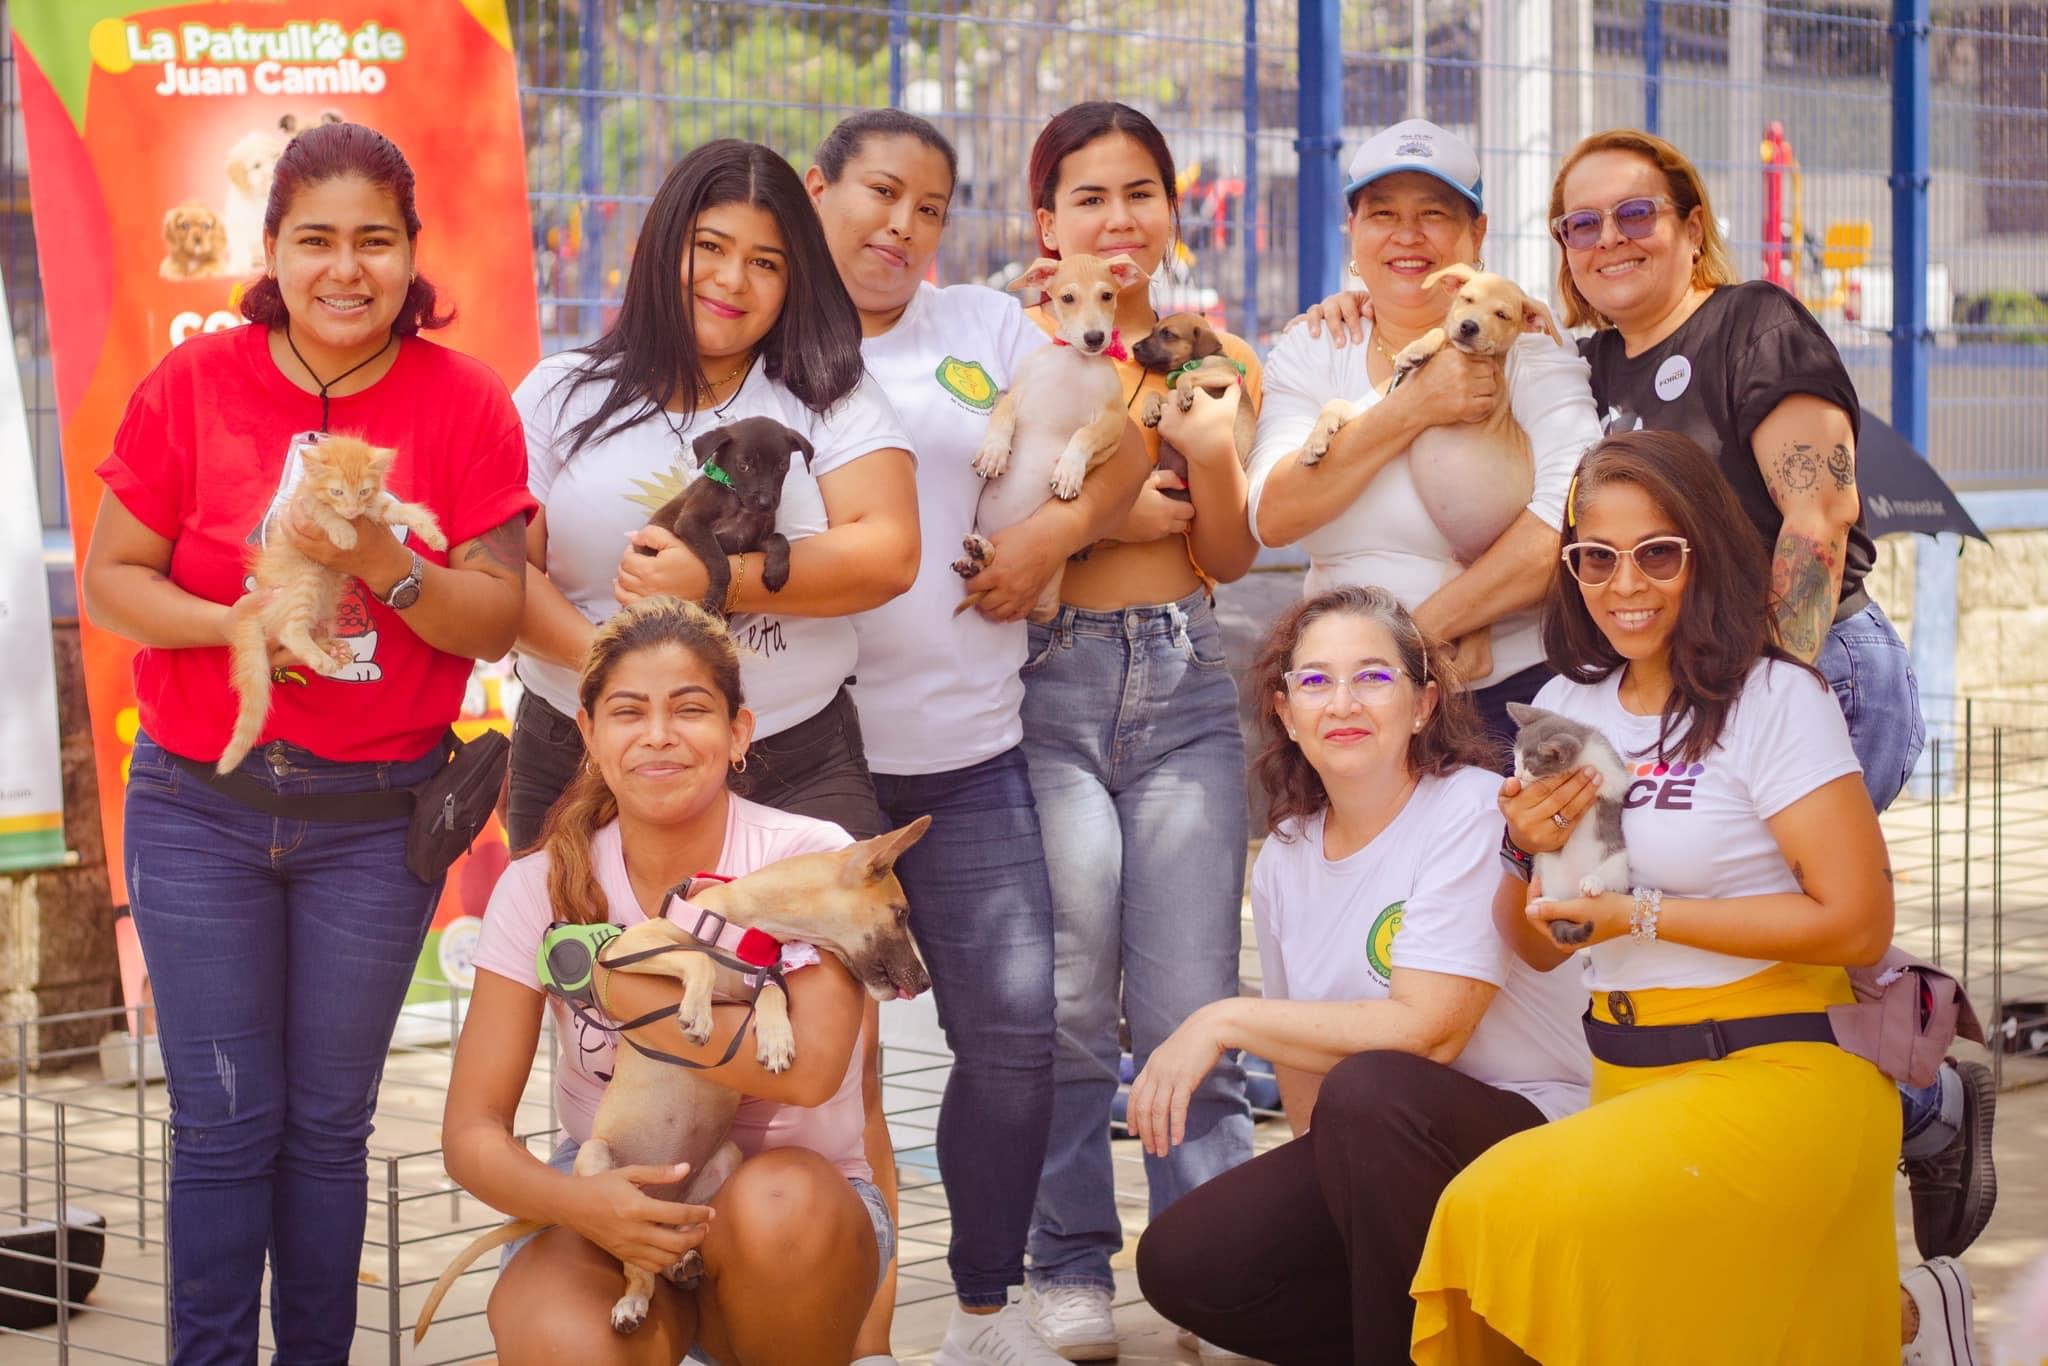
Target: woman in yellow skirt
x,y
1727,1198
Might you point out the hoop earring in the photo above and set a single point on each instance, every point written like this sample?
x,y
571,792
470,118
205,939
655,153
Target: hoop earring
x,y
739,765
1479,263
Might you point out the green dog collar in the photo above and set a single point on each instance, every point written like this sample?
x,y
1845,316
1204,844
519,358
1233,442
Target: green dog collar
x,y
715,474
1174,374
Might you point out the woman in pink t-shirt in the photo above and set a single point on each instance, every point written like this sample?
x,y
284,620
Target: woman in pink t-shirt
x,y
794,1239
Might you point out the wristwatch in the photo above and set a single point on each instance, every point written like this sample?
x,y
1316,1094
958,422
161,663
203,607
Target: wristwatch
x,y
406,591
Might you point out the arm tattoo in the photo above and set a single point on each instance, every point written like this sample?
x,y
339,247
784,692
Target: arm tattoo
x,y
1798,468
1842,466
1802,584
503,545
1889,880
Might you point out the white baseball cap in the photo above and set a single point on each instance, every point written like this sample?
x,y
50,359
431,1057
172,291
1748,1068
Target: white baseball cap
x,y
1417,145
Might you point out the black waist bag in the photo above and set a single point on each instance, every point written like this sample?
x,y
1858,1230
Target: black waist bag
x,y
447,811
453,805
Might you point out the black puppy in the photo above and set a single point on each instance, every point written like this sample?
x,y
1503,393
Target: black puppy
x,y
730,508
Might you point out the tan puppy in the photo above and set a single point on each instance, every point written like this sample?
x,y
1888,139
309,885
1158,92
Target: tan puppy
x,y
196,243
1063,414
1184,348
1473,478
849,904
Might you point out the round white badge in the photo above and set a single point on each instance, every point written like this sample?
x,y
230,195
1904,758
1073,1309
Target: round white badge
x,y
1672,377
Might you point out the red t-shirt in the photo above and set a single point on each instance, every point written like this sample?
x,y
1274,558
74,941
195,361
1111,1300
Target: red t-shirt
x,y
200,458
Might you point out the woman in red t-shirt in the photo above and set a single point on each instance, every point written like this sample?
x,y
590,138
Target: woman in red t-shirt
x,y
280,942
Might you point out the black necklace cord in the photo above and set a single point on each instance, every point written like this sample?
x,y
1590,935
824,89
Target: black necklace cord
x,y
327,384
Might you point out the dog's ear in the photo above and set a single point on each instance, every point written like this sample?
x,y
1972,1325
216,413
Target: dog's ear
x,y
875,859
238,174
797,442
1451,278
288,123
1536,318
1036,277
1206,342
1126,272
711,445
332,116
171,225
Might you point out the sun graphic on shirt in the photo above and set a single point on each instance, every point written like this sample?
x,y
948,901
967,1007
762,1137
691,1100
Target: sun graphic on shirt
x,y
657,491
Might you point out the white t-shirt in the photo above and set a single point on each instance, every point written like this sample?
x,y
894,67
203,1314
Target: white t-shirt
x,y
1386,536
1698,830
1420,896
755,836
939,692
790,667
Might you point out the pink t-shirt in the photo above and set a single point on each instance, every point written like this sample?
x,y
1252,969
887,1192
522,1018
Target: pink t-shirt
x,y
755,836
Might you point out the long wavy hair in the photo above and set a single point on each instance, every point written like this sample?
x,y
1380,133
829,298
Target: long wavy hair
x,y
1725,623
331,151
588,804
1451,737
648,358
1682,181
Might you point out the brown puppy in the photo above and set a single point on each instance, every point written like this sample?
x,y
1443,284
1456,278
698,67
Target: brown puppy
x,y
731,508
1185,349
849,904
1472,478
197,244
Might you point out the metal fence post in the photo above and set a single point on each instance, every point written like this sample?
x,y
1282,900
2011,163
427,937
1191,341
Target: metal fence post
x,y
1319,44
899,34
590,132
1653,62
1247,320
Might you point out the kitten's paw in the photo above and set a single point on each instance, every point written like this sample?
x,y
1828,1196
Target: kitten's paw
x,y
343,534
1592,885
1155,405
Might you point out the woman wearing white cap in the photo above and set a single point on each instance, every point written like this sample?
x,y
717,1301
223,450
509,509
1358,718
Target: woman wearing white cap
x,y
1413,193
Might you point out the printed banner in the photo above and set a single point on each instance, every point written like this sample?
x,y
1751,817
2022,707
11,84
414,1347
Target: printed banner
x,y
31,775
152,130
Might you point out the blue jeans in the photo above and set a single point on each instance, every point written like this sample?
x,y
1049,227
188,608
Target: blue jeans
x,y
279,953
1130,727
1866,664
981,912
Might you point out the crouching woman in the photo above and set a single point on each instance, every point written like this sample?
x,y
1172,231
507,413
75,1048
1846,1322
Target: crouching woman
x,y
793,1241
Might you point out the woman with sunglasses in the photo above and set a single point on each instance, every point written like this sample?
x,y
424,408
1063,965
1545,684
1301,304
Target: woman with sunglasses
x,y
1727,1196
1414,201
1393,1009
1745,371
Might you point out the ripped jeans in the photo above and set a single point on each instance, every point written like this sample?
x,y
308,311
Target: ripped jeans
x,y
279,953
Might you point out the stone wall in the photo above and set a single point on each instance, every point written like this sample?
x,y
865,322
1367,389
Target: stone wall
x,y
57,926
2002,596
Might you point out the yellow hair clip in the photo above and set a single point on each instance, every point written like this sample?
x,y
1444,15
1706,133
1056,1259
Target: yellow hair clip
x,y
1571,500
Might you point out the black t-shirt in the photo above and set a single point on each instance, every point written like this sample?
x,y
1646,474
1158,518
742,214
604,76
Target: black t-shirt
x,y
1747,348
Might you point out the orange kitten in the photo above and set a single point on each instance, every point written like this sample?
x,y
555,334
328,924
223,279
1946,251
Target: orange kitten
x,y
342,479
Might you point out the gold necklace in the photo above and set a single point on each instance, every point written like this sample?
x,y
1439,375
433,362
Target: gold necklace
x,y
712,386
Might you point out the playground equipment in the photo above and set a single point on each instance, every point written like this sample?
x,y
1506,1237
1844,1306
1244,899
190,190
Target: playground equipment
x,y
1827,276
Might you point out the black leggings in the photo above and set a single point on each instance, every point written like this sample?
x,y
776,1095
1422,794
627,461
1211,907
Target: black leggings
x,y
816,768
1305,1253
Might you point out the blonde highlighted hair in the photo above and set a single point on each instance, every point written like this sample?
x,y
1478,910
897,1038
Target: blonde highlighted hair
x,y
1711,268
587,805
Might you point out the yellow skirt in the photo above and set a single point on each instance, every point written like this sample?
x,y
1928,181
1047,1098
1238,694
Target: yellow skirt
x,y
1730,1213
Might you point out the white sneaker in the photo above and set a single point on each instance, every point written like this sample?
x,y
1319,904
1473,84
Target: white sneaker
x,y
1074,1320
1004,1338
1942,1293
1207,1350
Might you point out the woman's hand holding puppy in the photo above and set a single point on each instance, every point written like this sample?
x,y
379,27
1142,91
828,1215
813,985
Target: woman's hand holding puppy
x,y
1452,388
672,568
1205,432
1153,514
613,1212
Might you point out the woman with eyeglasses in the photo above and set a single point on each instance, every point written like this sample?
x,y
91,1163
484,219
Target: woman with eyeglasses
x,y
1728,1194
1393,1010
1746,371
1414,200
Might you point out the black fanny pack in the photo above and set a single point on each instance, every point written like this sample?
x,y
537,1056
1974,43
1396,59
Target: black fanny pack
x,y
447,811
1626,1045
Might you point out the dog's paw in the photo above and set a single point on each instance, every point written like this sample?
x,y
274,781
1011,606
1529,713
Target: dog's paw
x,y
1184,397
1155,404
1570,932
687,1272
629,1313
991,460
980,553
774,1048
1067,473
696,1028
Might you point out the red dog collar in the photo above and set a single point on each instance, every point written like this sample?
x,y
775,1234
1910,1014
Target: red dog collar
x,y
750,946
1115,350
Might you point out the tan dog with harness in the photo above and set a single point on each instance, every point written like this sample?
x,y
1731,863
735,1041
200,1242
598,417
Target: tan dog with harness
x,y
658,1108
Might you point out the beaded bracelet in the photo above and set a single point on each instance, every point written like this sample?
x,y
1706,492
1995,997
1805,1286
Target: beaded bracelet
x,y
1643,911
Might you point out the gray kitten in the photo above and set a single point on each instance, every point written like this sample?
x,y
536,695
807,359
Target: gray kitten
x,y
1594,859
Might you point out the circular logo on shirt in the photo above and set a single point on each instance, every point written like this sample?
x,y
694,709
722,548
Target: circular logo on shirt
x,y
969,382
457,950
1672,377
1379,944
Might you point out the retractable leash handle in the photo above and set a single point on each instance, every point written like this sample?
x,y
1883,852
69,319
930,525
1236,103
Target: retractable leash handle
x,y
566,963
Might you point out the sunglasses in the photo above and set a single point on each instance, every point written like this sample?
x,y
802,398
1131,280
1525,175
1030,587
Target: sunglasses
x,y
1320,685
1634,219
1660,558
